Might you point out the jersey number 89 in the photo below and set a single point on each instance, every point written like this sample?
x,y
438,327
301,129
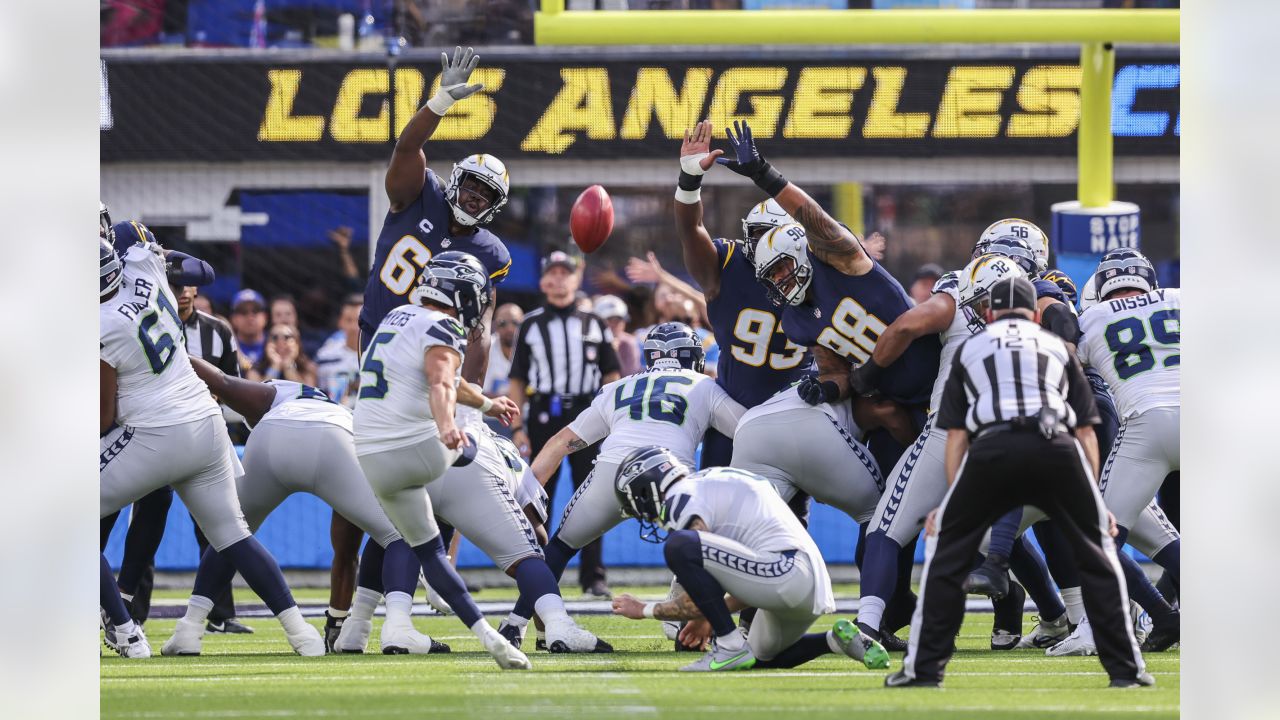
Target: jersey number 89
x,y
404,261
1126,338
853,331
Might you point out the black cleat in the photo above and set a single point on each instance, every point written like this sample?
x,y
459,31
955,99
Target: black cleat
x,y
1006,630
560,647
513,634
332,626
991,578
1164,634
231,626
1142,680
892,642
900,679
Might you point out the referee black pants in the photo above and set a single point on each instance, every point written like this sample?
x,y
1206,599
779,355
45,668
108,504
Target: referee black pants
x,y
1001,472
591,567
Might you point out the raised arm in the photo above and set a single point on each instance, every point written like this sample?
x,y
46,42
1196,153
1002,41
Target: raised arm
x,y
830,241
650,270
700,257
250,399
407,171
931,316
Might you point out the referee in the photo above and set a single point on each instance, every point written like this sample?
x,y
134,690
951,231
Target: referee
x,y
562,357
1023,400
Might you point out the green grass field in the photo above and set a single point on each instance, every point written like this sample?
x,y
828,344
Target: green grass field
x,y
256,676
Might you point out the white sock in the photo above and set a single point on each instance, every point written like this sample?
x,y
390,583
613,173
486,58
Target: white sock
x,y
127,629
399,607
731,641
517,621
486,633
198,609
338,614
366,602
292,621
870,611
550,608
1075,604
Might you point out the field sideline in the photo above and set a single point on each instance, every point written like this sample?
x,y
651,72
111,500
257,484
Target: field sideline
x,y
254,676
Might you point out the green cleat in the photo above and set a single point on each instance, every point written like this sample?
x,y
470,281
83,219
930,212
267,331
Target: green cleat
x,y
720,659
860,647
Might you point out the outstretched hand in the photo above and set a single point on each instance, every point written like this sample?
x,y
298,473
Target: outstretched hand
x,y
746,159
644,271
697,146
455,73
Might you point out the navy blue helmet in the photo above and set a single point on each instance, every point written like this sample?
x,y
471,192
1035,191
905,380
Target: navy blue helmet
x,y
455,279
110,269
644,476
674,340
1014,248
1122,269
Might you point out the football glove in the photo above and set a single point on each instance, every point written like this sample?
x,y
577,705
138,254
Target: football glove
x,y
815,391
748,161
865,379
453,80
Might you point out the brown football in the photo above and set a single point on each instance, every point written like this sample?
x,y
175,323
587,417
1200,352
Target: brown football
x,y
591,219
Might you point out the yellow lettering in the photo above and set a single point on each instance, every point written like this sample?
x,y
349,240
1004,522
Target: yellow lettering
x,y
279,124
346,125
470,118
1051,96
883,118
655,95
765,109
409,83
582,105
970,104
822,101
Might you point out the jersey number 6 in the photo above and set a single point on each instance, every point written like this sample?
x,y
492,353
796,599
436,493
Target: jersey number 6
x,y
405,260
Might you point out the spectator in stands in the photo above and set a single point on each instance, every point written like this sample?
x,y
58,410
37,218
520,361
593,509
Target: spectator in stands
x,y
284,311
673,298
923,281
613,311
338,359
875,244
351,279
506,322
283,358
249,320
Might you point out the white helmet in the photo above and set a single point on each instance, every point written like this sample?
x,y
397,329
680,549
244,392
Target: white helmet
x,y
488,170
1024,230
782,245
976,281
1088,295
1122,269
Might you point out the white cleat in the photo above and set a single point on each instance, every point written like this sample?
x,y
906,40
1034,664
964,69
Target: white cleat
x,y
353,637
1141,622
1079,642
400,638
187,639
307,643
434,599
671,629
132,647
1046,633
507,656
571,638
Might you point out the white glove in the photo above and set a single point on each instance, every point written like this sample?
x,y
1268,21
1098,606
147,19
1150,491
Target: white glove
x,y
453,80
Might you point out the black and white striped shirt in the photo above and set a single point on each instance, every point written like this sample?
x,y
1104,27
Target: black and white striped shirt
x,y
563,351
1011,370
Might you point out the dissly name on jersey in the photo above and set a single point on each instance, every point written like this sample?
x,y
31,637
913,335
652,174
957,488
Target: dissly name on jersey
x,y
133,308
1136,301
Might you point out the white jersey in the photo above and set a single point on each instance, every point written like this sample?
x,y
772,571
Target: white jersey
x,y
300,403
1136,343
338,369
393,409
141,336
669,408
957,332
745,508
789,398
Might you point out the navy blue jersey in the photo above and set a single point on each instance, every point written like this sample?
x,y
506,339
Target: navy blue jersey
x,y
847,315
756,359
1050,289
409,239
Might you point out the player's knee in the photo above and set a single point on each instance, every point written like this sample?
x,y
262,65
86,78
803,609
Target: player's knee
x,y
682,548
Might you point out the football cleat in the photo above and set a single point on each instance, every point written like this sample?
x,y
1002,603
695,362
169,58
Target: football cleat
x,y
403,639
133,646
1004,640
718,659
571,638
860,647
671,628
352,636
1006,629
1164,633
513,633
1142,622
1079,642
901,679
505,654
1046,633
1143,679
187,639
333,630
988,579
434,598
231,626
307,643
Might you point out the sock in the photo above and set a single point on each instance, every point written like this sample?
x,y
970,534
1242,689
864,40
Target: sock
x,y
558,554
198,609
1030,568
109,597
683,553
369,574
444,580
399,607
336,613
808,647
1075,604
550,608
483,630
446,535
878,578
400,569
902,605
1170,558
870,611
366,601
731,641
517,621
1003,533
535,580
291,619
1141,590
259,570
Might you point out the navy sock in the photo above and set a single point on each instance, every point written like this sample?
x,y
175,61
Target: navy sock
x,y
1141,590
1003,533
1168,588
1170,558
558,554
1032,571
683,552
880,567
808,647
899,608
399,569
109,595
260,571
534,579
1058,555
446,534
369,574
444,579
214,574
860,546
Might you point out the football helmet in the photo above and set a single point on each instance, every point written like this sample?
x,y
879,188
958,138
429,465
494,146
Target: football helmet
x,y
1024,230
765,215
976,281
673,345
104,223
454,279
1015,249
784,248
643,478
491,172
1122,269
110,270
1064,283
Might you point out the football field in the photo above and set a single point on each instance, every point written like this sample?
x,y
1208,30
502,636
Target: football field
x,y
255,676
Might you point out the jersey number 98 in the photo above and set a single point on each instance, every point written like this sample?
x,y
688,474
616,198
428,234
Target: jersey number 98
x,y
404,261
853,331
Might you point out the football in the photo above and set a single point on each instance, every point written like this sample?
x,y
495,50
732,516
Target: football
x,y
591,219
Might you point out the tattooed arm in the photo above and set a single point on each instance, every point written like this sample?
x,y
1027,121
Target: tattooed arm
x,y
680,607
547,463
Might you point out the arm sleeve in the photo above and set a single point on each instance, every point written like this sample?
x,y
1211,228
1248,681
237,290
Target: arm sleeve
x,y
955,402
1059,320
520,358
725,411
1080,395
185,270
592,424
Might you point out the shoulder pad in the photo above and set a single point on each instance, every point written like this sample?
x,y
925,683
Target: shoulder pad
x,y
448,331
948,283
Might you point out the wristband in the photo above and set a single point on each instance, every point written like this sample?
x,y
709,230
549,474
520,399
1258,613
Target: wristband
x,y
688,197
442,100
486,406
688,181
648,609
769,180
692,164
